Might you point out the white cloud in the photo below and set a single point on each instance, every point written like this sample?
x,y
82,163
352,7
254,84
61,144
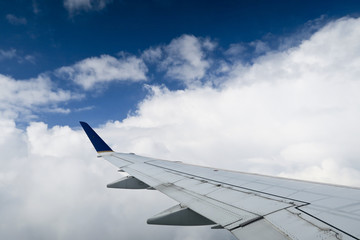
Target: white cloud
x,y
14,20
93,71
260,47
24,96
152,54
87,108
309,28
85,5
235,50
184,59
58,110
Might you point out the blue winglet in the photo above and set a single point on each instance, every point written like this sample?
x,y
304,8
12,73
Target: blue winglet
x,y
98,143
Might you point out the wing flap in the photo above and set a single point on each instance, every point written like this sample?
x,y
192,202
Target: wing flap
x,y
288,224
289,220
262,229
336,217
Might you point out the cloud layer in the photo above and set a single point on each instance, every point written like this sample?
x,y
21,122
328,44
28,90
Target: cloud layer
x,y
292,113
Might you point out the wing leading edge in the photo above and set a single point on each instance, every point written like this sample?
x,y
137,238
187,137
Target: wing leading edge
x,y
251,206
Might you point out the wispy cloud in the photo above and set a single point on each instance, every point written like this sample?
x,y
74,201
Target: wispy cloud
x,y
87,108
75,6
58,110
7,54
30,58
14,20
96,70
12,54
35,6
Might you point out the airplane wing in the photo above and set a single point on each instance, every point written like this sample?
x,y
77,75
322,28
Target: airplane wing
x,y
250,206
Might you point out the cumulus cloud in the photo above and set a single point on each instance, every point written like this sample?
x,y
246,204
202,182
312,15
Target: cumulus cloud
x,y
14,20
184,59
24,96
152,54
74,6
260,47
92,71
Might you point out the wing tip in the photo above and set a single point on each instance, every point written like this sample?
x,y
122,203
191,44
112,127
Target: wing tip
x,y
99,144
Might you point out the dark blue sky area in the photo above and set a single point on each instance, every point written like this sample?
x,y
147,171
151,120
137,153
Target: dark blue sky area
x,y
57,39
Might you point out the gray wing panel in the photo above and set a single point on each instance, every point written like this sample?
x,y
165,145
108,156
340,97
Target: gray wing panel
x,y
250,205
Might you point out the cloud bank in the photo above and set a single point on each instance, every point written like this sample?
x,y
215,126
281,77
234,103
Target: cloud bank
x,y
291,113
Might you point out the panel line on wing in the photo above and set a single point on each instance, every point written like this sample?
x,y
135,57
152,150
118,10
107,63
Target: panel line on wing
x,y
247,222
301,203
327,223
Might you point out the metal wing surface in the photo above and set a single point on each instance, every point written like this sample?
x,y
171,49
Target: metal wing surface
x,y
251,206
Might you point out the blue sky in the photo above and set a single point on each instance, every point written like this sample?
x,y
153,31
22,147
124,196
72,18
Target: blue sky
x,y
255,86
39,37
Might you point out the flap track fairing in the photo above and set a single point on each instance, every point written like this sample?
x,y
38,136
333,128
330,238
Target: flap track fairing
x,y
128,182
179,216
